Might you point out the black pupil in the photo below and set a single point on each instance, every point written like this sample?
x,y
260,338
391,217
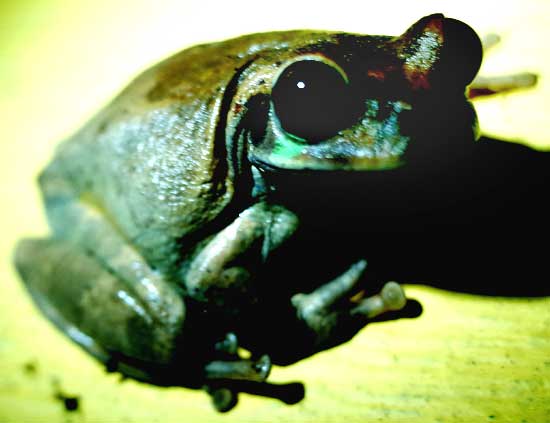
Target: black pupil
x,y
313,101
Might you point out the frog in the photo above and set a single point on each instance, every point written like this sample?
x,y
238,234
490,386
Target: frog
x,y
167,209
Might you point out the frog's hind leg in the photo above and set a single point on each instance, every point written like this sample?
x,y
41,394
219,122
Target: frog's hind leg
x,y
333,317
489,85
36,262
98,309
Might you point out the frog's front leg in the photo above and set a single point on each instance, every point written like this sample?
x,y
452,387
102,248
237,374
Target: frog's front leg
x,y
218,276
221,269
334,320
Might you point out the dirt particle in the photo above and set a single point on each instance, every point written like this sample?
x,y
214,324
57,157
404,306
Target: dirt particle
x,y
71,403
30,368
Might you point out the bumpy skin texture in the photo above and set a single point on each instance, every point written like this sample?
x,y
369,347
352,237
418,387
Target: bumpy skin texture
x,y
166,212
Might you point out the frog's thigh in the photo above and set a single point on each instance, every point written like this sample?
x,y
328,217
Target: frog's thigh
x,y
95,306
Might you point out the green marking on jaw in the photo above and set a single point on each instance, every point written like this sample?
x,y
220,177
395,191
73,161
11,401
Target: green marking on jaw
x,y
286,148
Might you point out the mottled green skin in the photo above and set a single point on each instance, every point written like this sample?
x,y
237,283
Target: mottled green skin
x,y
157,198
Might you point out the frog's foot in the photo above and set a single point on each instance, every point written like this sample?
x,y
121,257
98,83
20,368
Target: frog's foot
x,y
391,298
333,322
223,398
221,373
489,85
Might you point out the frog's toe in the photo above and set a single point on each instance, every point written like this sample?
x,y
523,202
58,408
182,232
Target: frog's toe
x,y
256,371
338,323
391,298
263,367
229,344
490,40
223,399
220,376
320,301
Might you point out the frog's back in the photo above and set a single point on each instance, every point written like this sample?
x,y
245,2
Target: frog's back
x,y
154,162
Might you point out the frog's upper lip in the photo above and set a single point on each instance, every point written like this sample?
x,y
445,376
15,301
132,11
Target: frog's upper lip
x,y
311,165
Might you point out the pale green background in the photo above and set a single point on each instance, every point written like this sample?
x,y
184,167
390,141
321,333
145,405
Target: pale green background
x,y
466,359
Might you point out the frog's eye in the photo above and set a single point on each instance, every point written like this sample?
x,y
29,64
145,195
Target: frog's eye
x,y
313,100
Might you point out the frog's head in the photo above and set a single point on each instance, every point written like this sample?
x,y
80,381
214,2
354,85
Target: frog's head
x,y
335,101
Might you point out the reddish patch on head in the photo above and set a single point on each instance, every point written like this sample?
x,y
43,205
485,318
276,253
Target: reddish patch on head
x,y
420,48
376,74
417,80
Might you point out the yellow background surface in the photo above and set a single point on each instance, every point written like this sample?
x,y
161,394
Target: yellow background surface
x,y
466,359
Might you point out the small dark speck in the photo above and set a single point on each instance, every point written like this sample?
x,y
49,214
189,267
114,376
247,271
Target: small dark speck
x,y
262,82
102,127
71,403
30,368
112,365
491,417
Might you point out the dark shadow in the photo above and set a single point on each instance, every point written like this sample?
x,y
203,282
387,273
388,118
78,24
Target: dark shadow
x,y
412,310
289,393
476,221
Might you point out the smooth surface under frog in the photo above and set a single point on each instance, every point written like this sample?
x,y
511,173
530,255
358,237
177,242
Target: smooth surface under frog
x,y
169,209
